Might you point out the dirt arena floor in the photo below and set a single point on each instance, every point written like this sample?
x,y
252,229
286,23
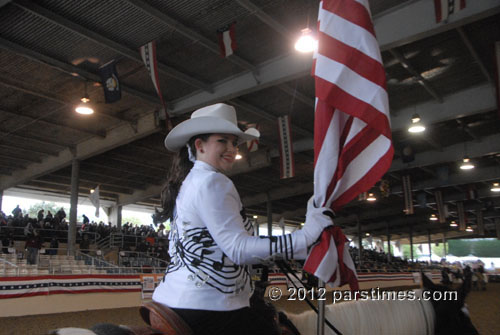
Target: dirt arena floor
x,y
484,307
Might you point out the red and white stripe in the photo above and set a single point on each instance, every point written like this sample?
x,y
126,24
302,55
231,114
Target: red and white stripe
x,y
148,54
352,135
287,165
445,8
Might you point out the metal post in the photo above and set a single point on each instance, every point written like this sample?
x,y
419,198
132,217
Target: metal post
x,y
269,216
360,242
1,197
321,311
444,245
430,246
389,255
411,242
75,172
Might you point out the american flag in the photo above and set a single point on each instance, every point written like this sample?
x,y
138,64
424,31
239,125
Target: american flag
x,y
352,135
445,8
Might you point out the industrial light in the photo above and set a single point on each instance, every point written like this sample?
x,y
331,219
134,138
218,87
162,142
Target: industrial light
x,y
255,217
238,156
453,224
433,217
91,190
495,187
466,164
84,107
469,229
367,234
306,41
371,197
416,126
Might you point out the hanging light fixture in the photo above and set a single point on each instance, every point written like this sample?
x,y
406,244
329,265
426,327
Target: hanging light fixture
x,y
495,187
433,217
367,234
469,229
453,223
466,164
84,107
306,41
416,126
255,217
238,156
371,197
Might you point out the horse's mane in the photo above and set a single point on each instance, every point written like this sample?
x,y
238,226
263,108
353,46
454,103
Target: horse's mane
x,y
372,317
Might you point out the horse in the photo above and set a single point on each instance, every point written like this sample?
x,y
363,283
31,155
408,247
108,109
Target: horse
x,y
417,316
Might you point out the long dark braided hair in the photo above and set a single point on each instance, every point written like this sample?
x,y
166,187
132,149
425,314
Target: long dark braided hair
x,y
181,165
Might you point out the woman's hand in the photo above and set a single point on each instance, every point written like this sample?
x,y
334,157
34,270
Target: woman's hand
x,y
317,219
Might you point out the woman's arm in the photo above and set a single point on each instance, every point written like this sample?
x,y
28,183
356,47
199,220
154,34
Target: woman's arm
x,y
219,204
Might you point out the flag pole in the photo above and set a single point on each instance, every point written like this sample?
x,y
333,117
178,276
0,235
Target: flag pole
x,y
321,311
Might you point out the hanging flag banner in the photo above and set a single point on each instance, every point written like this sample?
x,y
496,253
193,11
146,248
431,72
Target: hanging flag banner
x,y
227,40
94,199
461,216
445,8
408,195
253,145
148,55
110,82
287,166
352,135
440,206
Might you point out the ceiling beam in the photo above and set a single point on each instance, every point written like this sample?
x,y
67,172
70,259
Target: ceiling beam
x,y
6,137
474,54
120,135
105,42
189,33
295,94
27,151
100,133
413,20
27,158
52,97
421,80
70,69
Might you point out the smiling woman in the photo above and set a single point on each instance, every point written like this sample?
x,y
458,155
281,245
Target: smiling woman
x,y
208,283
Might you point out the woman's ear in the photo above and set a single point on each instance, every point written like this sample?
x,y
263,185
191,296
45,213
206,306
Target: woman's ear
x,y
198,144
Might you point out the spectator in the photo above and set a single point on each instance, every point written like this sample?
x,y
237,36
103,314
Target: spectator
x,y
40,215
85,219
49,216
17,212
61,214
33,244
54,245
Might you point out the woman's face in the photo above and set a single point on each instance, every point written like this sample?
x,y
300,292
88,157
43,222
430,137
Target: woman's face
x,y
219,150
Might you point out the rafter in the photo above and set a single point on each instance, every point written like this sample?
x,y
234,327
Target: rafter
x,y
104,41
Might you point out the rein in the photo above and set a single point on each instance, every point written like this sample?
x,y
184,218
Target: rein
x,y
285,268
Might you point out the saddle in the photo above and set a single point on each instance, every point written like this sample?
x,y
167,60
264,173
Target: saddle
x,y
164,319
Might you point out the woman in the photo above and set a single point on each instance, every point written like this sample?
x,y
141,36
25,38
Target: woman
x,y
207,282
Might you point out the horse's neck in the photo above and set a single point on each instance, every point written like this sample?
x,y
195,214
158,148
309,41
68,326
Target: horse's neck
x,y
372,317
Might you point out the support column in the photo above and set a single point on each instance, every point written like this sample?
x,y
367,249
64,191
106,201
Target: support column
x,y
269,216
1,198
75,178
444,245
430,246
360,242
389,254
411,242
115,216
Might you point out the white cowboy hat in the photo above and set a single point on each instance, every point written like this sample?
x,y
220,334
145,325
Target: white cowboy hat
x,y
218,118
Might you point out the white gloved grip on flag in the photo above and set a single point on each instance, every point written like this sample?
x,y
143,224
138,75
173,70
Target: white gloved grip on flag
x,y
316,221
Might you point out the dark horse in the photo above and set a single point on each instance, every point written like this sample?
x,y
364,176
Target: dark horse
x,y
439,317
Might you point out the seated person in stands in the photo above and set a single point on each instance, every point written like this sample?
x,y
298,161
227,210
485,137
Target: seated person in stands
x,y
33,244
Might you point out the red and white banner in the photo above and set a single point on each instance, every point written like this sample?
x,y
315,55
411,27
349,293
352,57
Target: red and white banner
x,y
352,135
445,8
253,145
17,287
227,40
287,165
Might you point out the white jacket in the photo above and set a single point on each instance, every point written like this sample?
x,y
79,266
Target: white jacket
x,y
211,243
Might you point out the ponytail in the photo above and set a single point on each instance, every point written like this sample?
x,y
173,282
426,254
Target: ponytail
x,y
181,165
